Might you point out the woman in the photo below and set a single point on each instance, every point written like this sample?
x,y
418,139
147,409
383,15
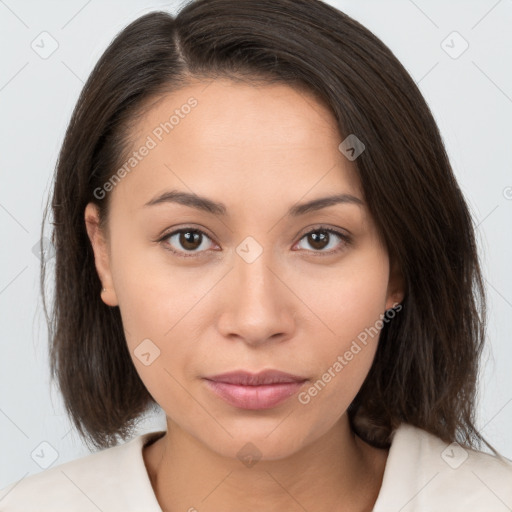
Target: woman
x,y
258,230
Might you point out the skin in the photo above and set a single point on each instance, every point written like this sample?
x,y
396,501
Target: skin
x,y
259,149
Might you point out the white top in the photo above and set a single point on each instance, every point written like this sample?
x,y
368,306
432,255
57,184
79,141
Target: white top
x,y
422,474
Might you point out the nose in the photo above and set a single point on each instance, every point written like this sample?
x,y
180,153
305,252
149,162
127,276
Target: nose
x,y
256,305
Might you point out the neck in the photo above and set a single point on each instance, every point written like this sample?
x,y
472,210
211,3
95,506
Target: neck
x,y
338,471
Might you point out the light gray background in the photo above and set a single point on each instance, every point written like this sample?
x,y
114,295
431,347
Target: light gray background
x,y
470,96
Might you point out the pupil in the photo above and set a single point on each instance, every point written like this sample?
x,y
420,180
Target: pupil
x,y
188,239
319,242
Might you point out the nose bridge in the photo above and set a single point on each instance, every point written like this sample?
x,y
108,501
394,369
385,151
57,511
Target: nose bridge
x,y
254,278
258,307
252,269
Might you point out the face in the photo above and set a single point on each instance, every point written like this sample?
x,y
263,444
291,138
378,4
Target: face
x,y
256,283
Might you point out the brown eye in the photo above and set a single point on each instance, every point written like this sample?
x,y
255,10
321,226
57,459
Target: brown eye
x,y
320,239
194,242
187,240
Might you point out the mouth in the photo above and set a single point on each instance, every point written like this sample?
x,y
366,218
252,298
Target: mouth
x,y
262,390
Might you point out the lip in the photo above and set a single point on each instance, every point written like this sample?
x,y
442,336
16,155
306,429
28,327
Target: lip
x,y
264,377
262,390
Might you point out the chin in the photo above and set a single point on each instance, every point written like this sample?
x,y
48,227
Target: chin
x,y
251,444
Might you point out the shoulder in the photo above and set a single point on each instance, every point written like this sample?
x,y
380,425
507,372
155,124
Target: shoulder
x,y
111,479
424,473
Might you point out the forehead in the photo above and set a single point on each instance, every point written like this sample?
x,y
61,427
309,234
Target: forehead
x,y
237,139
236,109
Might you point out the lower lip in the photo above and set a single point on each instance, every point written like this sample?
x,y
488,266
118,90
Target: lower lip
x,y
254,397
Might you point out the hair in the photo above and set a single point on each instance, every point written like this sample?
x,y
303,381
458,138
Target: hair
x,y
425,369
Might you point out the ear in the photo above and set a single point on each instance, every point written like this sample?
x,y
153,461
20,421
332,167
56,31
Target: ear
x,y
396,286
101,250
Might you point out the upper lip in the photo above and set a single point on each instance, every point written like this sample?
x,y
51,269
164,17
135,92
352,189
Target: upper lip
x,y
245,378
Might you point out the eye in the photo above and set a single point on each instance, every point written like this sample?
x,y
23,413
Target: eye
x,y
320,240
191,240
195,241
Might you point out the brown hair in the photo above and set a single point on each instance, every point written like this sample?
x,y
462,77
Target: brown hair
x,y
426,366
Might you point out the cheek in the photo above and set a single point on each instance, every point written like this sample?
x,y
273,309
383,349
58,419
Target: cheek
x,y
341,363
351,305
349,297
160,345
159,307
154,295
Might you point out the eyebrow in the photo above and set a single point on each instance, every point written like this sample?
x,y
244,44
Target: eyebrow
x,y
219,209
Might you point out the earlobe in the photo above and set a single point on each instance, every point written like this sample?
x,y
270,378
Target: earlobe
x,y
396,287
99,245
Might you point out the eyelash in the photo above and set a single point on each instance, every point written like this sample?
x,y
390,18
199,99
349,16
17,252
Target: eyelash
x,y
345,241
